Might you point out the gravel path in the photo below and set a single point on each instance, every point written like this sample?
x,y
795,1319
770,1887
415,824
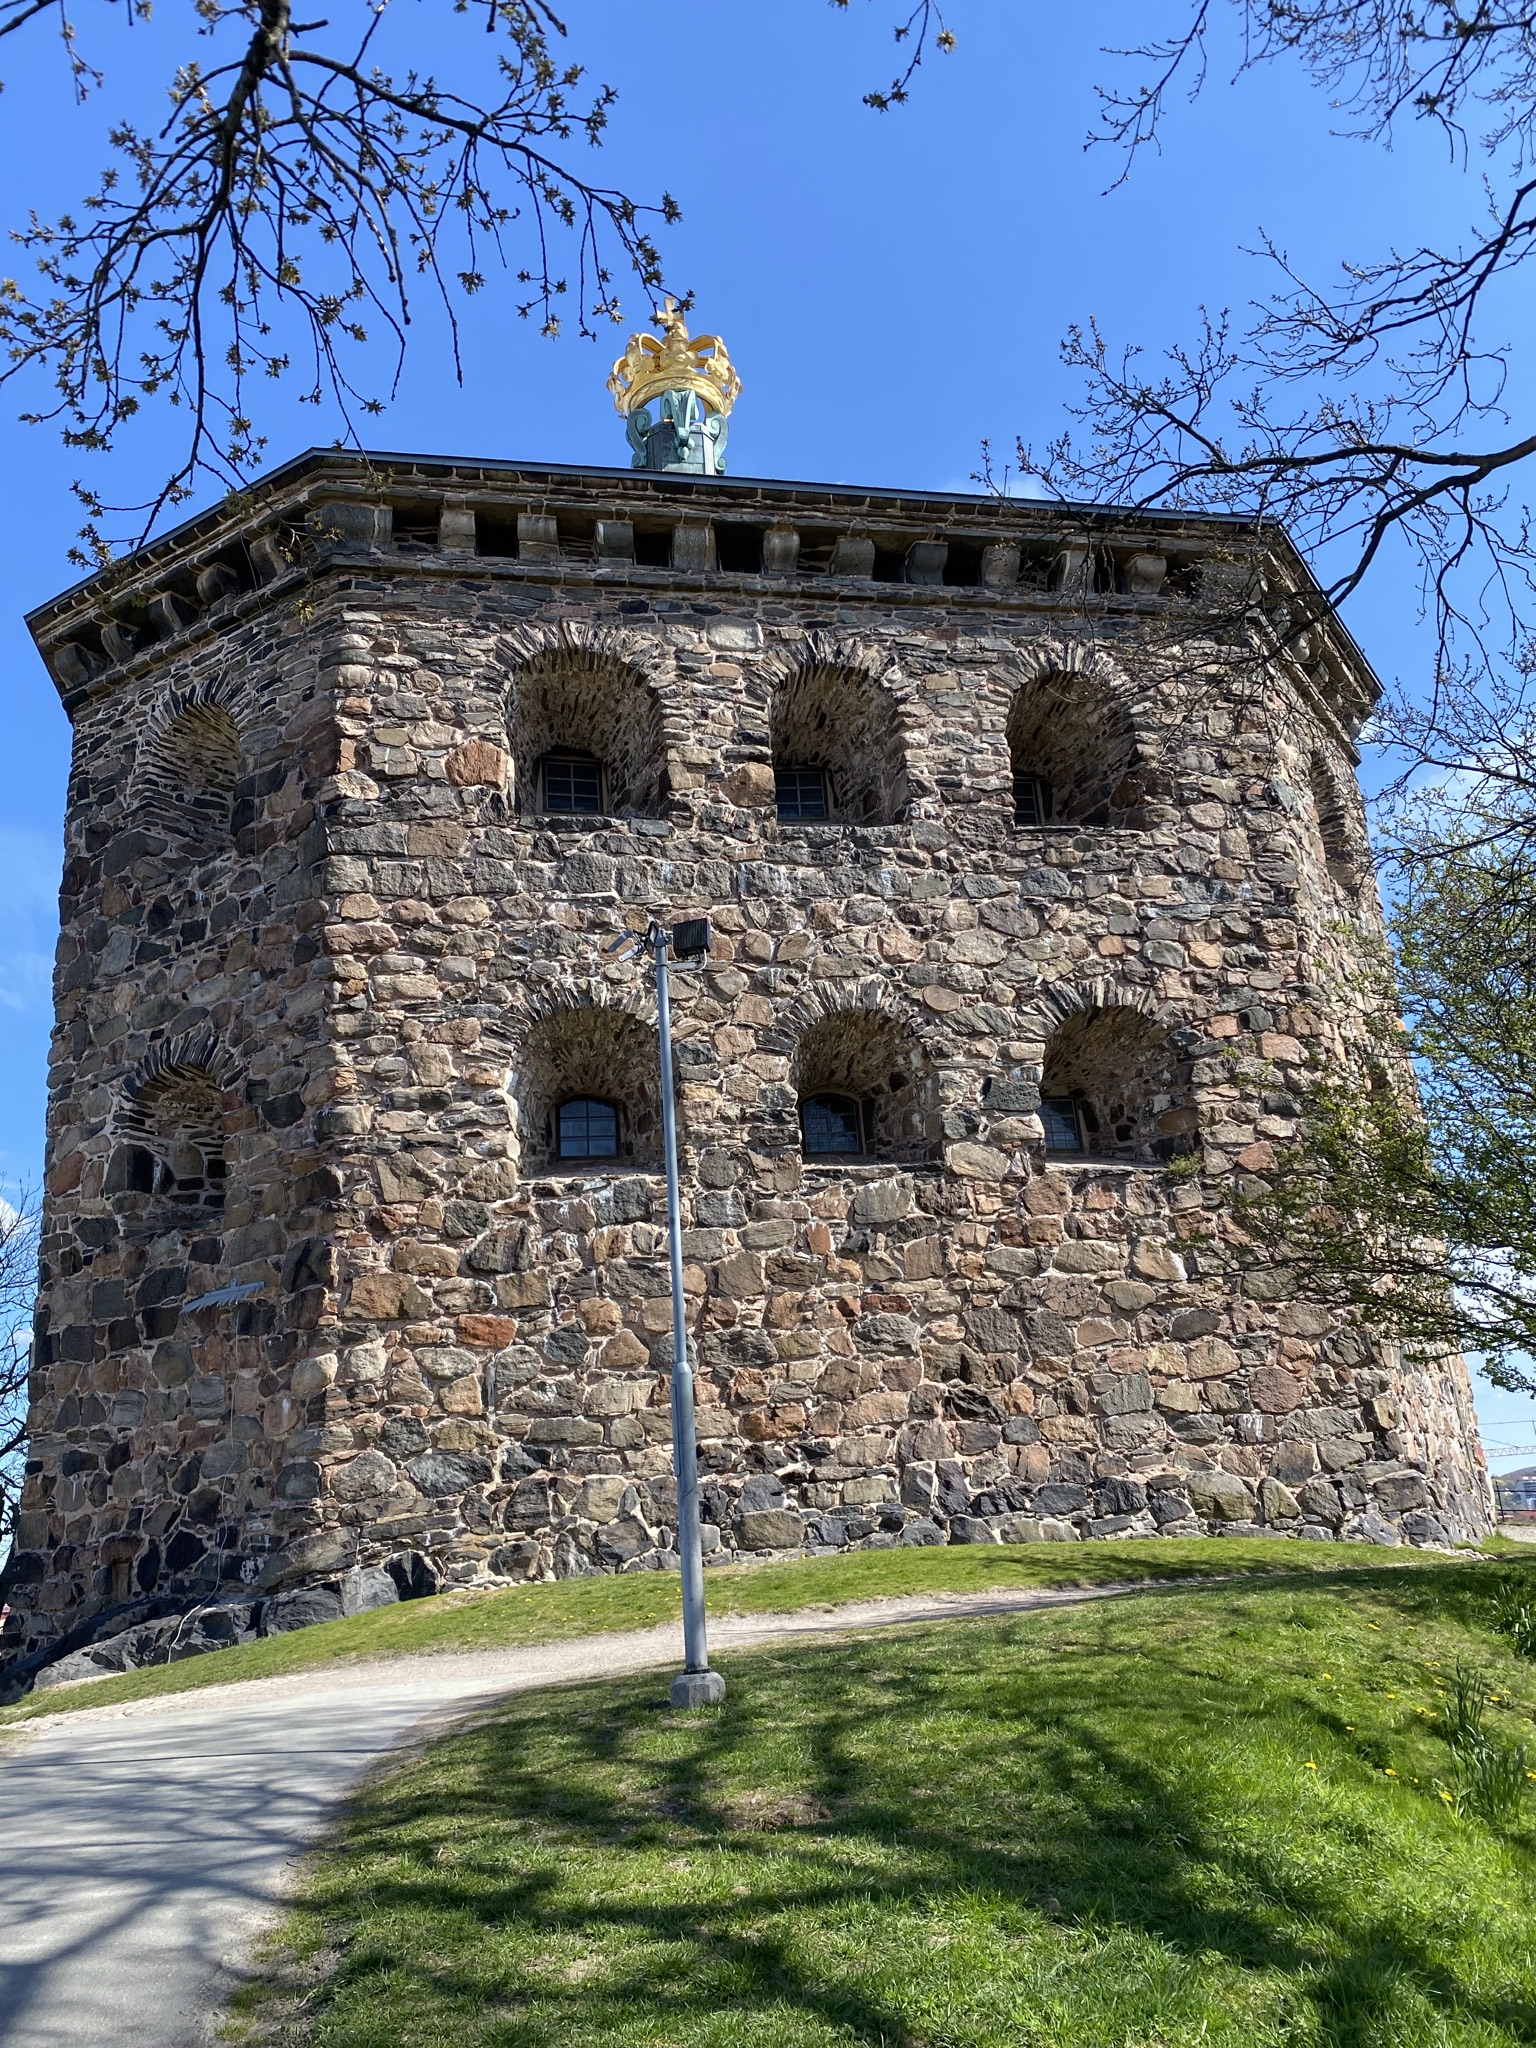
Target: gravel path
x,y
142,1847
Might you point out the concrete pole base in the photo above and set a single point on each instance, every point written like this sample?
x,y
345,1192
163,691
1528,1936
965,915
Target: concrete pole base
x,y
698,1689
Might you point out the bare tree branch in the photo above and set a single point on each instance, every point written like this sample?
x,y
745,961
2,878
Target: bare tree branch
x,y
292,202
18,1292
924,22
1370,415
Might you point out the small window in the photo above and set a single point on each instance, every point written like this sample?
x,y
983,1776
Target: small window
x,y
1031,800
1063,1125
587,1128
800,792
573,783
831,1125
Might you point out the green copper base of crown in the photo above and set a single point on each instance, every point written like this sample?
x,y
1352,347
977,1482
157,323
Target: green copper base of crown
x,y
683,438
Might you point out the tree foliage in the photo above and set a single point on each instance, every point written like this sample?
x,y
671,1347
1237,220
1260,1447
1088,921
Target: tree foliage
x,y
1412,1195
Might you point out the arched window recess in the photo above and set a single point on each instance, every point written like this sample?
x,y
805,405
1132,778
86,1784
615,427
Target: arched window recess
x,y
173,1137
1116,1087
1073,754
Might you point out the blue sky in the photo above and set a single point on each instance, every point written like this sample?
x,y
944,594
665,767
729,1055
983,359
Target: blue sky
x,y
893,289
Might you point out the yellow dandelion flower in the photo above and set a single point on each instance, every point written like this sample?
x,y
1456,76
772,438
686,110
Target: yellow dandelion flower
x,y
1309,1765
1389,1772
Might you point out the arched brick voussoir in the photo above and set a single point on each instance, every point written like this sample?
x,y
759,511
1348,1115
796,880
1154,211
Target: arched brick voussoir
x,y
1066,654
850,651
531,1005
1077,660
199,1051
821,1000
1047,1009
227,694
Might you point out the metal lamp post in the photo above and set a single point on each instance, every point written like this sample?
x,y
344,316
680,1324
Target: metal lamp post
x,y
696,1685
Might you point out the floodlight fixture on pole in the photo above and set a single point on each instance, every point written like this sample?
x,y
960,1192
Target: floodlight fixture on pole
x,y
696,1685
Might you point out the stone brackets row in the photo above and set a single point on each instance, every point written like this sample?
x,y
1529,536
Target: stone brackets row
x,y
351,525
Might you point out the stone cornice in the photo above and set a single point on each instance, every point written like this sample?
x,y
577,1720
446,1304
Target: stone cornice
x,y
330,511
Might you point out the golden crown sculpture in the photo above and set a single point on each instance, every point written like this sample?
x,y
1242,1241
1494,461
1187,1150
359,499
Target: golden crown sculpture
x,y
674,363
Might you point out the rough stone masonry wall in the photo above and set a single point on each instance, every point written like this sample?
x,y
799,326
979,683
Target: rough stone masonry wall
x,y
451,1346
186,972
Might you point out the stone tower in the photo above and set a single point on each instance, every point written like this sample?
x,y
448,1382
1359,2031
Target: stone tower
x,y
1036,865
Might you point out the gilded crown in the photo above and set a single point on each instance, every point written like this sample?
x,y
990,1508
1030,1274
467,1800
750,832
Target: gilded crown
x,y
674,362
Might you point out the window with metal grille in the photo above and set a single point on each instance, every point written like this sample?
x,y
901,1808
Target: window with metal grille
x,y
586,1128
1031,800
573,783
830,1124
800,792
1063,1126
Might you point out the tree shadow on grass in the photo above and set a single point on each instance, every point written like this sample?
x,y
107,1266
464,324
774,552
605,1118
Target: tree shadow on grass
x,y
616,1861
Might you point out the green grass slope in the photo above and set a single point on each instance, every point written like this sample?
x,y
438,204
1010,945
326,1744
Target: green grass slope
x,y
635,1600
1199,1817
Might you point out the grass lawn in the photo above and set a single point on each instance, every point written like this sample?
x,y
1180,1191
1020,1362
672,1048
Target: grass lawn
x,y
1192,1818
634,1600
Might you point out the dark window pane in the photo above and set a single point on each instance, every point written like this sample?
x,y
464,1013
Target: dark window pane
x,y
1031,800
588,1129
801,792
573,782
1062,1133
830,1124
